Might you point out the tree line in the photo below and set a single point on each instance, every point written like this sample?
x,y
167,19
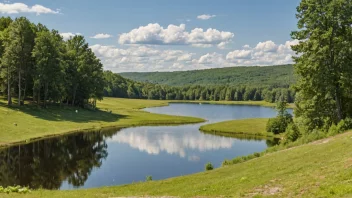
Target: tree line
x,y
37,63
117,86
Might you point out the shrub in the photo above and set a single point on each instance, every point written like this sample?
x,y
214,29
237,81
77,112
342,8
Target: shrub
x,y
292,133
14,189
149,178
209,166
226,162
275,125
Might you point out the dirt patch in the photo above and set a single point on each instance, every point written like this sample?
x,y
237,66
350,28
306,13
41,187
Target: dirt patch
x,y
265,190
348,163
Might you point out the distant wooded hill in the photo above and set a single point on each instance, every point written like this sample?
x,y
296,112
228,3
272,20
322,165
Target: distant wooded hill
x,y
277,76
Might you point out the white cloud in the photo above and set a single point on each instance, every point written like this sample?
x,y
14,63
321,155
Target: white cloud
x,y
239,54
175,35
16,8
205,16
67,35
267,46
150,58
265,53
101,36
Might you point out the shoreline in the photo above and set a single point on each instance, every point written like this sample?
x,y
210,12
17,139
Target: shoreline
x,y
117,126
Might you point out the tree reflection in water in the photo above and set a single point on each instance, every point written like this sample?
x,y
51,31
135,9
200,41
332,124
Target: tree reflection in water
x,y
47,163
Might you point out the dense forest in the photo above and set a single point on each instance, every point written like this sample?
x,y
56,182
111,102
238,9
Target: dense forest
x,y
37,63
276,76
117,86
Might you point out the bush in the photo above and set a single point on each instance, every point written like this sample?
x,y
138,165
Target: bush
x,y
149,178
209,166
292,133
279,124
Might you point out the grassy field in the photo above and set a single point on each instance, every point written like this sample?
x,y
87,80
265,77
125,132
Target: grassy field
x,y
318,169
28,122
255,126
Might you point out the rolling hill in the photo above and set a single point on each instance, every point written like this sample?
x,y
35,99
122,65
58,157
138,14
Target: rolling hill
x,y
280,75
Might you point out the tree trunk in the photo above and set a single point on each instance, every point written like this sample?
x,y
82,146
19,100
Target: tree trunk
x,y
38,100
24,91
19,87
74,95
338,103
9,99
45,93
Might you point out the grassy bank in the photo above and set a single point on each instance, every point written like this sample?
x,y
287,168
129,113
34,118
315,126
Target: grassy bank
x,y
29,122
254,103
255,126
318,169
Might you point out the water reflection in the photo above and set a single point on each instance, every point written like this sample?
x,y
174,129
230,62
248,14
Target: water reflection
x,y
153,141
46,163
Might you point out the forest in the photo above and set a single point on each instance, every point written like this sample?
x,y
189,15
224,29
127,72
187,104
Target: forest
x,y
276,76
37,64
117,86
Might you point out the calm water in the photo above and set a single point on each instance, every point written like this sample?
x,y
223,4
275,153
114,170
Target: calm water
x,y
129,155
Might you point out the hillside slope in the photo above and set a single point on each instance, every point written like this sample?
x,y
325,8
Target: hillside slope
x,y
254,75
318,169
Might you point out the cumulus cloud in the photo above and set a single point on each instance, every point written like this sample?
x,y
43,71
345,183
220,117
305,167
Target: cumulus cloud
x,y
67,35
205,16
239,54
175,35
265,53
267,46
147,58
16,8
151,58
101,36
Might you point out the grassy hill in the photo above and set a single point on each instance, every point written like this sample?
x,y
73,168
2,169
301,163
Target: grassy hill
x,y
253,75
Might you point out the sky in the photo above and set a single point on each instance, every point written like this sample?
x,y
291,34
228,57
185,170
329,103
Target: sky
x,y
165,35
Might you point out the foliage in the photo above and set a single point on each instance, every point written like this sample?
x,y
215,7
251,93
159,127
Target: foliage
x,y
148,178
275,76
209,166
342,126
323,66
14,189
292,133
280,122
39,63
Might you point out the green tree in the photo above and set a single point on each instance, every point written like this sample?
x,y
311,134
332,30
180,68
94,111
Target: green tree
x,y
324,66
47,58
18,52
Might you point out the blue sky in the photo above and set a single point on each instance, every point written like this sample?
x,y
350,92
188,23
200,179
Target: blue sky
x,y
233,32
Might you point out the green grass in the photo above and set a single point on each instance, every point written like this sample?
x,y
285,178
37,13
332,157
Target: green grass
x,y
319,169
255,126
29,122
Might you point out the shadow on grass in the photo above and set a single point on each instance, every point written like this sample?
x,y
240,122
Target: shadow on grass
x,y
64,113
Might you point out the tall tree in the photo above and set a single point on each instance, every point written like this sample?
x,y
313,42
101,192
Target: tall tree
x,y
4,24
324,62
18,51
47,59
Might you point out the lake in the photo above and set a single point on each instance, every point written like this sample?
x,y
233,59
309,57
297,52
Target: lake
x,y
96,159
